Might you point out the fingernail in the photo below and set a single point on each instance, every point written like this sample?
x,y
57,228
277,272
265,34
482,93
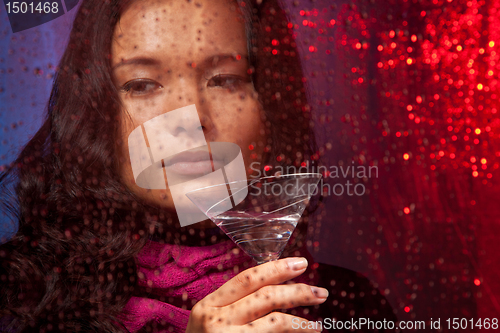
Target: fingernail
x,y
297,264
319,292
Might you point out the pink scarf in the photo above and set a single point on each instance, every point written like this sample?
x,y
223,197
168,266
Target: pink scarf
x,y
177,276
180,273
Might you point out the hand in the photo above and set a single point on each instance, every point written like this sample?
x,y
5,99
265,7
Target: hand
x,y
244,303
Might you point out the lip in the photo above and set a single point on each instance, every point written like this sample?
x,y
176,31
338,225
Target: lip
x,y
187,157
192,163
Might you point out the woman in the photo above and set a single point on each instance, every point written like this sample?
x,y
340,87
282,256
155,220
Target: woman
x,y
96,252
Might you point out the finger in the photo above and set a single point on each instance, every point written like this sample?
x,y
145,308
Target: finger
x,y
281,322
254,278
269,298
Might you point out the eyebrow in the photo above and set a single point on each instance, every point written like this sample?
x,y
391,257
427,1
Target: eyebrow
x,y
210,61
137,61
207,62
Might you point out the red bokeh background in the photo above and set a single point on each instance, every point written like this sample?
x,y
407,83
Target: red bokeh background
x,y
409,86
412,87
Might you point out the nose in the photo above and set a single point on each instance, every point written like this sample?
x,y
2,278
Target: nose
x,y
184,123
187,91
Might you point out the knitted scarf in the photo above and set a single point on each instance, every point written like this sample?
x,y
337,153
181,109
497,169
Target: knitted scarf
x,y
175,277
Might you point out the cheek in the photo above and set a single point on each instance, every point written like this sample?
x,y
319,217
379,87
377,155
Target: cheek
x,y
241,121
134,114
141,110
124,165
158,197
238,116
244,127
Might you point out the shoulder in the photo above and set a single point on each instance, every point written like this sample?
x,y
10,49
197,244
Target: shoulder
x,y
352,295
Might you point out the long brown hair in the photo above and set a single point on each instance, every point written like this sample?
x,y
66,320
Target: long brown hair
x,y
71,267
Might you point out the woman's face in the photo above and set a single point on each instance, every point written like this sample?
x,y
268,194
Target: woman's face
x,y
170,54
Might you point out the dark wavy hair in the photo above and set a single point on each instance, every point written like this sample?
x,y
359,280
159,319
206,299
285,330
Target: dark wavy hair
x,y
71,267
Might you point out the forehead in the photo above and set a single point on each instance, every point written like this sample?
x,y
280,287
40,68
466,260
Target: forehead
x,y
179,27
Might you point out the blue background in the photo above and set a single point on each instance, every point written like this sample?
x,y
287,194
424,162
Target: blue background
x,y
28,61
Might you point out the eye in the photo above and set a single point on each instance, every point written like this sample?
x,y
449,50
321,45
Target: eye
x,y
140,87
228,81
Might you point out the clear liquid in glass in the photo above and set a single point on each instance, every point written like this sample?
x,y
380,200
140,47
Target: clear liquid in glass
x,y
263,237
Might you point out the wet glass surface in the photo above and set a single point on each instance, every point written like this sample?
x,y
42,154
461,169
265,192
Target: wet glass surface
x,y
403,102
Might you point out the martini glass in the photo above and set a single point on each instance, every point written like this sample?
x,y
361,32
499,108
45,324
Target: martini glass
x,y
259,215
